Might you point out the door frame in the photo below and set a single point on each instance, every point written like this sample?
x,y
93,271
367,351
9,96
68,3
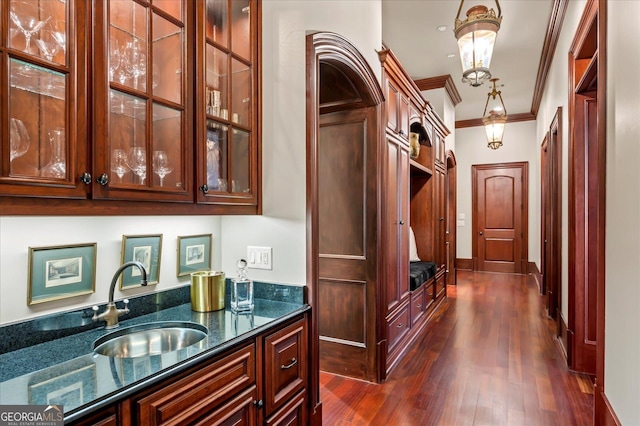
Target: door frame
x,y
451,196
522,264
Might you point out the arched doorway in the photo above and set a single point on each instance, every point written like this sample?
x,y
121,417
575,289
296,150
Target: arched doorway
x,y
343,115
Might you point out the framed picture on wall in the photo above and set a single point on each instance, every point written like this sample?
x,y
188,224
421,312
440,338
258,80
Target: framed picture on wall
x,y
194,254
146,249
59,272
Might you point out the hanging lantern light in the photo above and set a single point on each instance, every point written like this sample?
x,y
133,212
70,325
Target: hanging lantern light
x,y
476,37
494,122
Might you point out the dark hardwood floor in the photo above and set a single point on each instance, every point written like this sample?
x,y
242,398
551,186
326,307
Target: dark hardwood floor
x,y
487,358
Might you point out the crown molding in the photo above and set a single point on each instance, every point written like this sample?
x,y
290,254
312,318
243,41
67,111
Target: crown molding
x,y
554,27
439,82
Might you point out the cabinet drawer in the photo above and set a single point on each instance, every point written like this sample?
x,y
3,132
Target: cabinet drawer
x,y
292,413
418,304
198,394
285,364
238,411
397,327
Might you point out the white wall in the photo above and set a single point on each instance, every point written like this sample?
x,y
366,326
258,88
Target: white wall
x,y
520,144
622,310
283,223
20,233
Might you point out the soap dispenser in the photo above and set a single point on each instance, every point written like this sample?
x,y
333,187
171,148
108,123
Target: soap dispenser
x,y
242,290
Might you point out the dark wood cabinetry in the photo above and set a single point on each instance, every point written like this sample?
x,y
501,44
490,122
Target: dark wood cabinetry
x,y
414,195
150,141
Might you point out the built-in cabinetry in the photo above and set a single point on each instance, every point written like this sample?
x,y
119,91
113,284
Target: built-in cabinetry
x,y
263,381
100,111
414,195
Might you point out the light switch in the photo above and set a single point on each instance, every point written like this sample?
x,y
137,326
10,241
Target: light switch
x,y
461,216
460,223
259,257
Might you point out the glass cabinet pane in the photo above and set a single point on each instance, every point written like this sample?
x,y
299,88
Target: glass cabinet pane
x,y
37,120
240,93
216,21
216,75
241,161
216,151
128,43
167,155
127,128
241,28
167,59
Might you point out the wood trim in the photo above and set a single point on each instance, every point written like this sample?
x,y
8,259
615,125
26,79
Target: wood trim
x,y
464,264
532,269
554,27
439,82
563,337
511,118
605,416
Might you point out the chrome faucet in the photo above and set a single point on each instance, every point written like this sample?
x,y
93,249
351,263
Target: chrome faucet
x,y
111,314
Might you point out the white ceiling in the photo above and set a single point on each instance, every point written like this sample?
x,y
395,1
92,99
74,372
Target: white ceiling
x,y
409,30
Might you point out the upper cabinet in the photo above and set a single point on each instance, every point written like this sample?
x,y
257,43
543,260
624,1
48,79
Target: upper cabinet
x,y
227,107
142,143
43,110
130,105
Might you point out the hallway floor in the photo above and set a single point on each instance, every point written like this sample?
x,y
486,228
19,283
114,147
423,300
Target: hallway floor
x,y
487,358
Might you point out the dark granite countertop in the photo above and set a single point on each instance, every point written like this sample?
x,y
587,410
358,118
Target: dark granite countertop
x,y
66,370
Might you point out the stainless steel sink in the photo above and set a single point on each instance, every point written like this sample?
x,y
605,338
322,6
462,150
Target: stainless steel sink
x,y
152,338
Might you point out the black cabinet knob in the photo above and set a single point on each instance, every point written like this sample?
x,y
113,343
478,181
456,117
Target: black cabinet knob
x,y
103,179
204,188
258,403
85,178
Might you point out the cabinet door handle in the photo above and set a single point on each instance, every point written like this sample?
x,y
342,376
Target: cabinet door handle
x,y
286,367
480,232
258,403
402,222
103,179
85,178
204,188
399,325
419,305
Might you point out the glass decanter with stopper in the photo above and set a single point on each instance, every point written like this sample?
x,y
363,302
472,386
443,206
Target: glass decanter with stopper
x,y
242,290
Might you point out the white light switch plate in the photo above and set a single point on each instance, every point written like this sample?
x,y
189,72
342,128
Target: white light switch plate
x,y
259,257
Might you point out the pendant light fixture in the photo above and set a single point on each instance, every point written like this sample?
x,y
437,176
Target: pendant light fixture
x,y
476,37
494,122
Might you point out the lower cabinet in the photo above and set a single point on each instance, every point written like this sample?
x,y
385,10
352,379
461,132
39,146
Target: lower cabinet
x,y
263,381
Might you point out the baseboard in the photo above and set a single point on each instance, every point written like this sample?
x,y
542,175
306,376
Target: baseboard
x,y
563,337
604,414
533,268
464,264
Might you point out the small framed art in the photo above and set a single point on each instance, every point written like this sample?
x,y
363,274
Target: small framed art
x,y
146,249
58,272
194,254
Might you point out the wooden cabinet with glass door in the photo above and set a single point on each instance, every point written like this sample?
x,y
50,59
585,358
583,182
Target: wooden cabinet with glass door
x,y
142,148
42,78
227,110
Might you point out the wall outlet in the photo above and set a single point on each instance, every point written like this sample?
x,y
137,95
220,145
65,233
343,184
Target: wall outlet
x,y
259,257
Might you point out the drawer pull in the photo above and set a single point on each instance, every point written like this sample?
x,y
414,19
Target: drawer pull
x,y
258,404
399,325
286,367
419,305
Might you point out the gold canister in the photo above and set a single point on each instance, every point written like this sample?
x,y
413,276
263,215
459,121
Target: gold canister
x,y
207,291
